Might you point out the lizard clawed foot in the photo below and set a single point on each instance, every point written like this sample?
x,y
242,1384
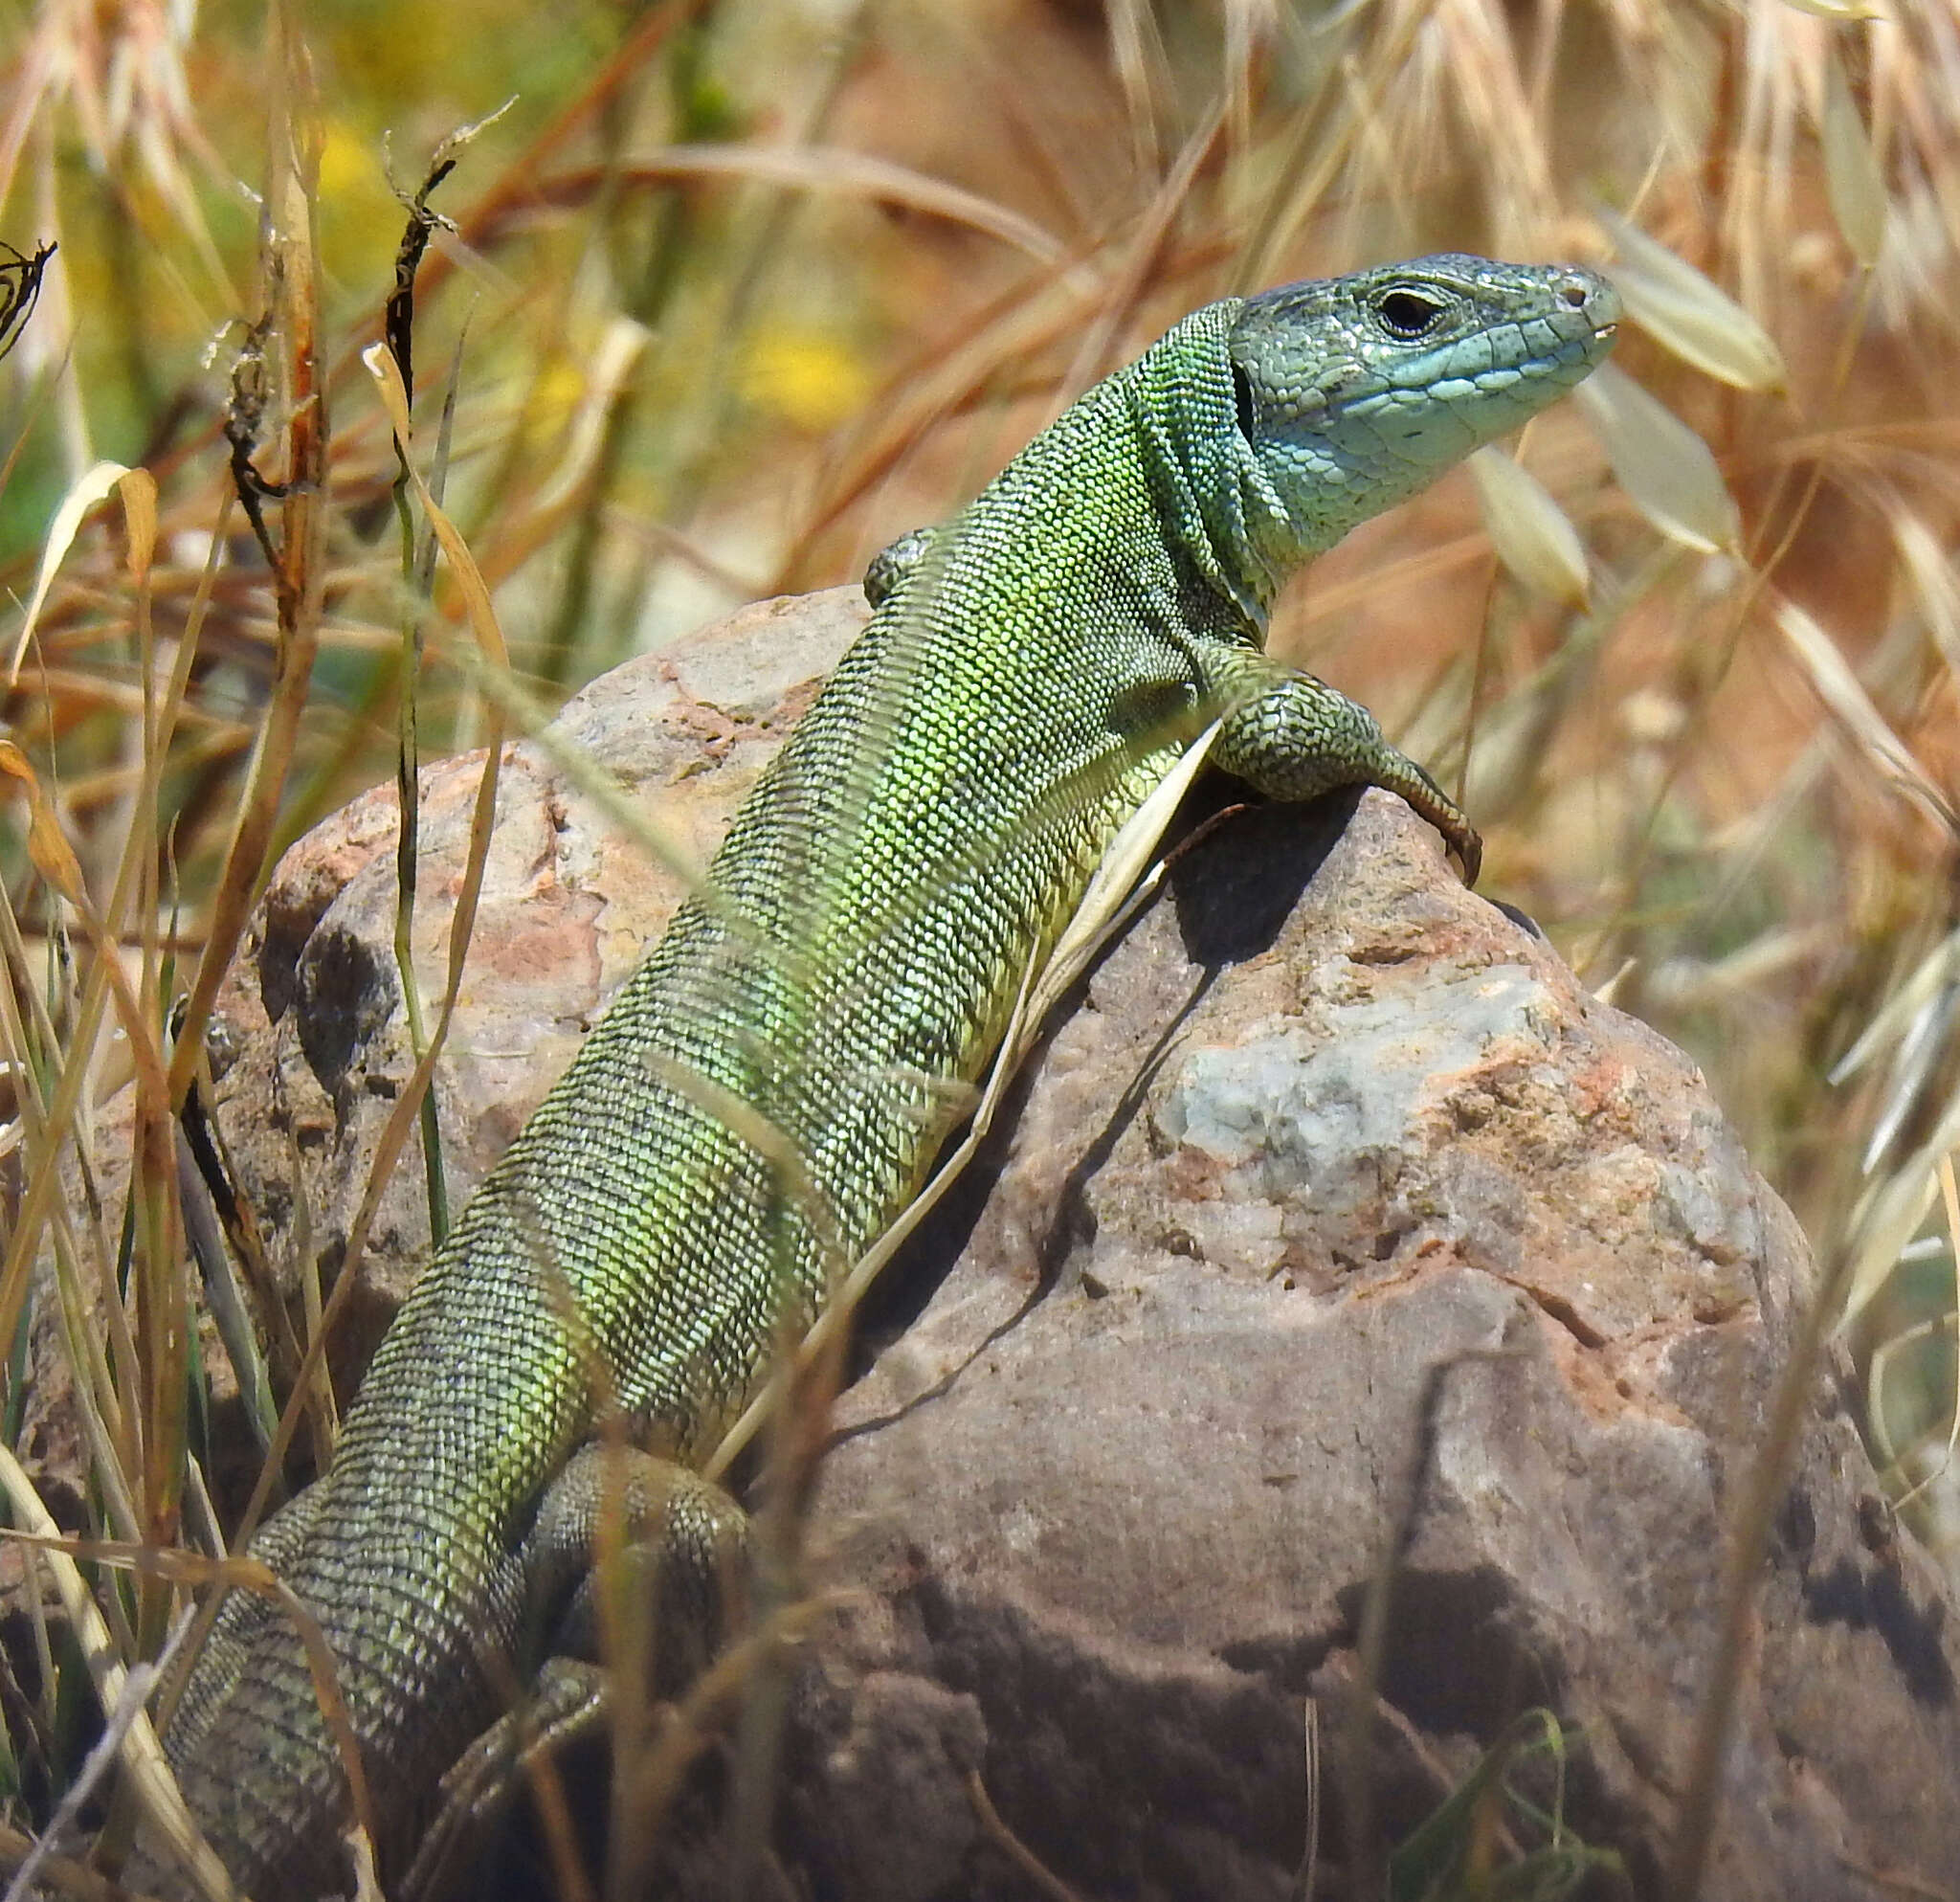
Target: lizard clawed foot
x,y
1465,848
569,1703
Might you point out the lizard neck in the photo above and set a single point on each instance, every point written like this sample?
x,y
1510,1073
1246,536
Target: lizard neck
x,y
1218,510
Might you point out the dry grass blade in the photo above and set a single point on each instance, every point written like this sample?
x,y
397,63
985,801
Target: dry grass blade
x,y
1532,535
1143,250
1888,1215
96,1767
1143,73
143,1757
57,1875
113,1432
1383,109
949,382
1891,1463
1695,319
831,171
1950,1205
300,562
1851,176
1895,1464
47,845
94,485
1013,1847
1932,579
1665,469
125,82
130,1431
1875,744
621,348
1915,1065
159,1291
1476,48
1918,1021
56,860
469,579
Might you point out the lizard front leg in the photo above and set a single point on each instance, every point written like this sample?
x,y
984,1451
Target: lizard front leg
x,y
1293,737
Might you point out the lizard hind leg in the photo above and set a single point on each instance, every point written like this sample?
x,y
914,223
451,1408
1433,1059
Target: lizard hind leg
x,y
1293,737
635,1577
639,1562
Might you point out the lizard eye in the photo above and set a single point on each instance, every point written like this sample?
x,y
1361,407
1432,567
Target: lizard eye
x,y
1409,314
1242,403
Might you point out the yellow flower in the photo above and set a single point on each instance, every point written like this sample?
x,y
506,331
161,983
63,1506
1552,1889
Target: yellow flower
x,y
805,377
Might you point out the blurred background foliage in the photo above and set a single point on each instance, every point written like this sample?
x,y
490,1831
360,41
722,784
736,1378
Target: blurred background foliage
x,y
737,291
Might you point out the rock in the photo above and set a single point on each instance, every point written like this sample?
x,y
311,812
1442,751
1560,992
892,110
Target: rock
x,y
1335,1222
1338,1205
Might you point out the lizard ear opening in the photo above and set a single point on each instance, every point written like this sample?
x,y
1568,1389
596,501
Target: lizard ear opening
x,y
1242,403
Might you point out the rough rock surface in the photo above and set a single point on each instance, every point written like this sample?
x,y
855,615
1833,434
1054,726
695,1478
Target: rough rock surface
x,y
1316,1218
1328,1134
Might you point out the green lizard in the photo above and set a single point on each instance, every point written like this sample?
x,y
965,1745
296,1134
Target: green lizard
x,y
1032,671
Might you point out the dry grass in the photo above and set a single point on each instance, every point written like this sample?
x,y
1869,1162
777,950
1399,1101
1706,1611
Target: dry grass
x,y
736,295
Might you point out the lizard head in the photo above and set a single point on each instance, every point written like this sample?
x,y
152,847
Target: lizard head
x,y
1352,392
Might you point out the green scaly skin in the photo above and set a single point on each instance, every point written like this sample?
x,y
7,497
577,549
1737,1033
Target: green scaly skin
x,y
1032,673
